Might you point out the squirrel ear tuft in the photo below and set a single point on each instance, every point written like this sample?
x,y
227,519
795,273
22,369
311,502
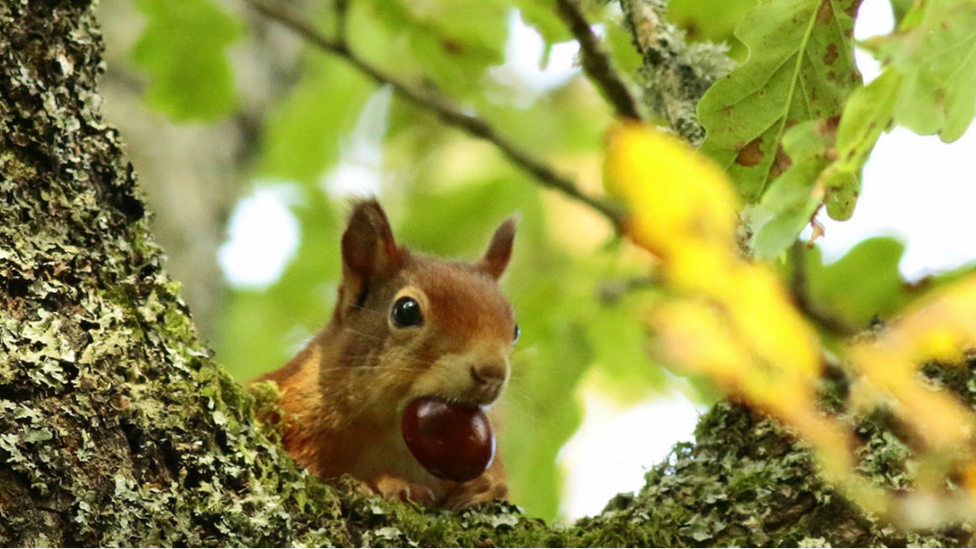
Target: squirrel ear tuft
x,y
368,247
499,251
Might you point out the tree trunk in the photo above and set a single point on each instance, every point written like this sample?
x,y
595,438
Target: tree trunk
x,y
117,427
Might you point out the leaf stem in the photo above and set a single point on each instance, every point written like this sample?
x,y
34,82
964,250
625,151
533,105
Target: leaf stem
x,y
444,109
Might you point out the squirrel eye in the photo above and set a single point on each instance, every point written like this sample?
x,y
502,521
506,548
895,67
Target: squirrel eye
x,y
518,332
406,313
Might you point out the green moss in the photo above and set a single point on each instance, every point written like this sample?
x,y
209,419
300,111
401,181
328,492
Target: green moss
x,y
745,482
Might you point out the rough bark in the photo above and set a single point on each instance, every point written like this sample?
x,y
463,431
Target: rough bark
x,y
117,427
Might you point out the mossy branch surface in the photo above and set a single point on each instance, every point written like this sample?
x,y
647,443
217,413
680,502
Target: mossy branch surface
x,y
118,428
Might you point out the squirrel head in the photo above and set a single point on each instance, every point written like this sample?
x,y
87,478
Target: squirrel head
x,y
411,325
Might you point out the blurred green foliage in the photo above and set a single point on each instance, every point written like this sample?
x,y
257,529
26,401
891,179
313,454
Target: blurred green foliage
x,y
864,286
712,20
446,192
856,295
934,55
302,135
183,51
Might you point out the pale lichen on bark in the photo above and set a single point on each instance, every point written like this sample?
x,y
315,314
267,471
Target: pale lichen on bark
x,y
116,426
676,72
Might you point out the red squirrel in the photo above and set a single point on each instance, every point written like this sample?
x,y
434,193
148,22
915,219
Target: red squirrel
x,y
406,326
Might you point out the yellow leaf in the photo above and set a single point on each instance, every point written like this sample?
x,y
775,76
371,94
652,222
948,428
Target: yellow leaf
x,y
733,321
676,195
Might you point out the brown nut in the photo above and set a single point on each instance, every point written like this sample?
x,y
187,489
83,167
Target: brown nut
x,y
451,441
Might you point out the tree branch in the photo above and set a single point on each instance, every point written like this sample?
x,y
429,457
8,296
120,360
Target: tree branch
x,y
610,292
675,73
596,64
799,288
341,9
443,108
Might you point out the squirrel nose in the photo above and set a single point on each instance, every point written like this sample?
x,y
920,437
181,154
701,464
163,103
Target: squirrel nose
x,y
489,374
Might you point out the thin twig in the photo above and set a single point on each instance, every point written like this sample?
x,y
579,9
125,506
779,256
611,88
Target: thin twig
x,y
612,291
800,289
341,9
441,106
595,61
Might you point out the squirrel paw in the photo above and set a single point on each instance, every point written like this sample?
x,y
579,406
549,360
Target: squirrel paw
x,y
484,489
400,490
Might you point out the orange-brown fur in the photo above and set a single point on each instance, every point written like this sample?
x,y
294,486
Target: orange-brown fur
x,y
344,394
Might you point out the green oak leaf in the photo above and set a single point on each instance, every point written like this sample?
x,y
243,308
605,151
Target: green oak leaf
x,y
900,8
303,133
793,198
863,285
928,84
451,43
183,49
800,67
934,50
712,20
540,15
868,113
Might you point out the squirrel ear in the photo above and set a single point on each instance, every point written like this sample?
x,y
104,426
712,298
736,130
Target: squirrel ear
x,y
368,248
500,250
